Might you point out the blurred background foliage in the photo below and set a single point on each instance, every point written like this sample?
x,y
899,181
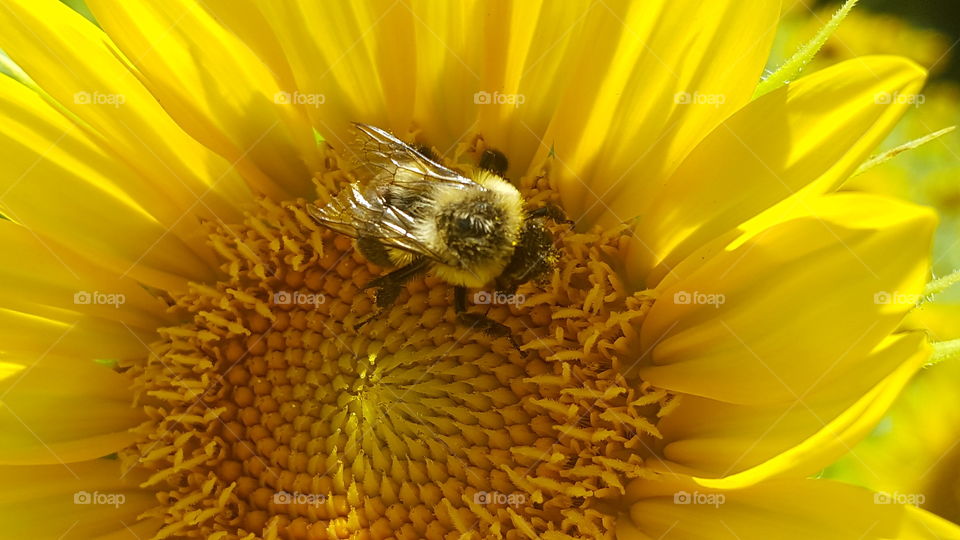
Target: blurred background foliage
x,y
916,448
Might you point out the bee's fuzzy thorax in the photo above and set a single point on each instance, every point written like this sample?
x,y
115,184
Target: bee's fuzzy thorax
x,y
479,228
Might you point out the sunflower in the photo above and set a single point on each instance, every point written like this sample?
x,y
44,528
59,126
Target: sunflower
x,y
182,350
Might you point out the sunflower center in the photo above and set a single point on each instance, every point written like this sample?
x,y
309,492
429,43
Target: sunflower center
x,y
276,414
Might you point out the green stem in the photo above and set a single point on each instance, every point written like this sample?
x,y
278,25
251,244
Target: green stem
x,y
939,285
791,69
945,350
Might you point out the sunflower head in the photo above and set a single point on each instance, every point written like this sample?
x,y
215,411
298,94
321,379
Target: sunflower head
x,y
273,410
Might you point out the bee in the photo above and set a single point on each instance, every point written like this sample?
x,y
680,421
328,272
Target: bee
x,y
414,215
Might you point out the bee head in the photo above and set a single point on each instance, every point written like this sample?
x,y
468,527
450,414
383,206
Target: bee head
x,y
476,227
533,257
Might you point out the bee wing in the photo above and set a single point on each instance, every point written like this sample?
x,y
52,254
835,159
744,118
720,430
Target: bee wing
x,y
345,212
396,162
370,212
354,215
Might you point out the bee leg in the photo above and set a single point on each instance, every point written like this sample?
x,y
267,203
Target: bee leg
x,y
551,211
460,299
389,286
494,161
396,279
426,152
373,250
477,320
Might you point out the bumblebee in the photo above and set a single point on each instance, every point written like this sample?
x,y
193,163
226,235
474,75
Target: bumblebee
x,y
415,215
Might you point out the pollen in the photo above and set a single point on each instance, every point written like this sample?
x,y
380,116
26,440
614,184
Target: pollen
x,y
278,410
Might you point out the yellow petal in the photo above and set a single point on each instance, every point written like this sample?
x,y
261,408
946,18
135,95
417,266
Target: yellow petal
x,y
47,330
924,524
76,65
800,509
915,449
360,57
497,68
246,20
63,410
501,69
941,320
651,79
60,186
447,50
64,280
39,501
745,444
762,318
140,530
527,51
811,134
215,87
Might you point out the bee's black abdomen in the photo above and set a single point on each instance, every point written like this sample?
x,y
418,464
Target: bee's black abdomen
x,y
494,161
